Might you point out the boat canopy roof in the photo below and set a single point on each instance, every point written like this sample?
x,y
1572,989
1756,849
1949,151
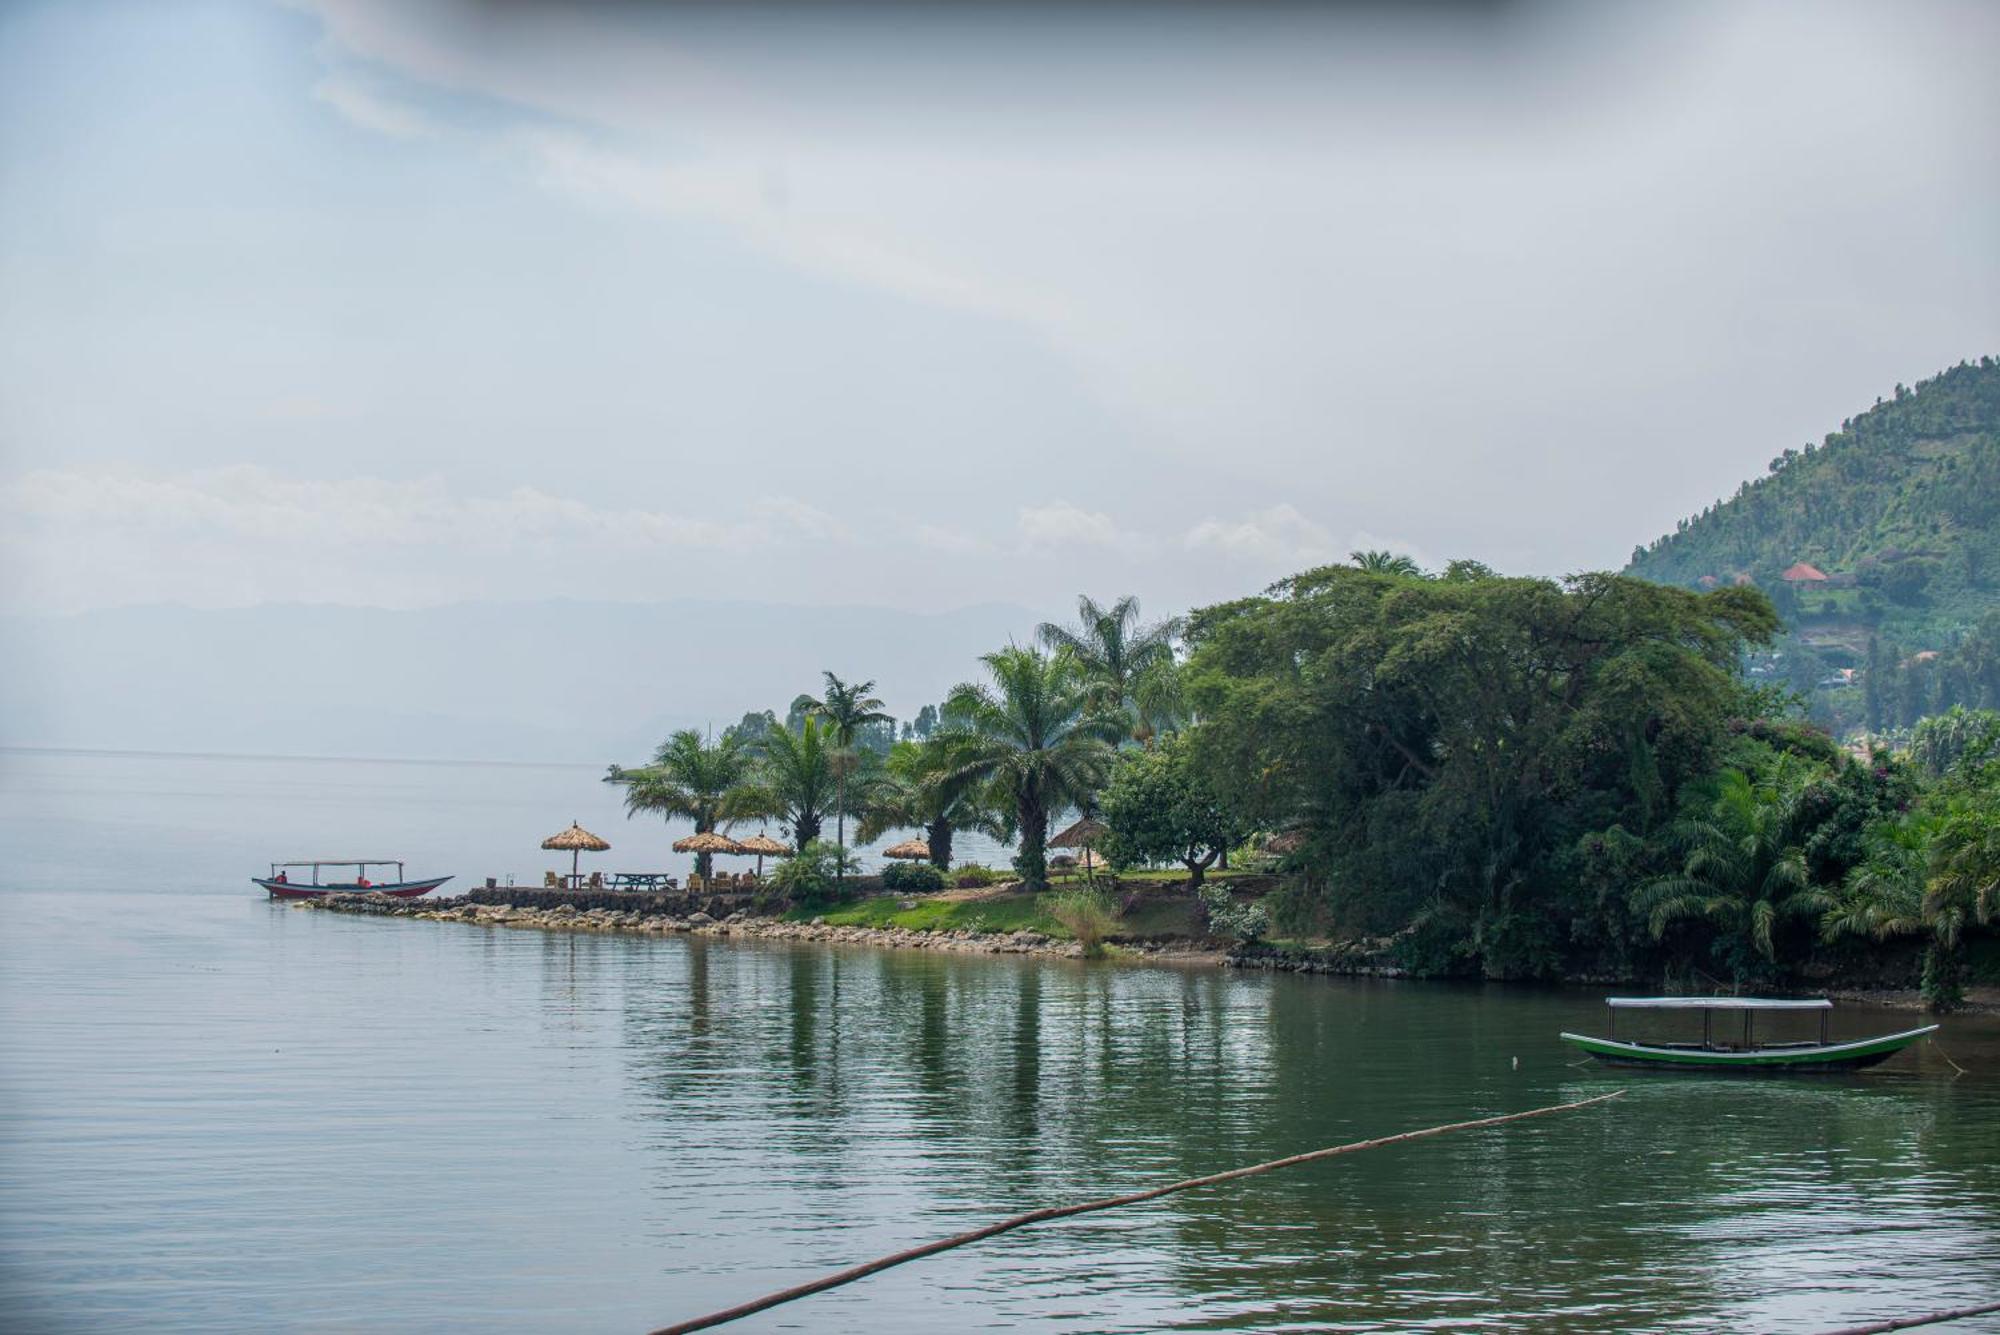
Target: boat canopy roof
x,y
343,862
1716,1004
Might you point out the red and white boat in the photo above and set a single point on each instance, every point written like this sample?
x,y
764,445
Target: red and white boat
x,y
282,886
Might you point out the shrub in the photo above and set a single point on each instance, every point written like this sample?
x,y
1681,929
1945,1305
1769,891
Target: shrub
x,y
1245,922
972,876
810,877
914,876
1086,914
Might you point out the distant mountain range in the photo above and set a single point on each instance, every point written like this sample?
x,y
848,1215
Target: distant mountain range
x,y
1880,546
573,681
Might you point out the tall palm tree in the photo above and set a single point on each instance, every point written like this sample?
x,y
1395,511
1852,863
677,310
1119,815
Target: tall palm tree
x,y
917,789
1384,563
794,781
1742,869
693,779
1040,732
846,709
1119,653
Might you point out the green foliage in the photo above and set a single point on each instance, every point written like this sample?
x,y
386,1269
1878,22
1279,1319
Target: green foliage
x,y
1939,742
796,779
1743,870
1037,733
1226,917
914,877
691,779
972,876
1903,502
1160,805
812,876
1087,914
1443,744
919,787
1129,663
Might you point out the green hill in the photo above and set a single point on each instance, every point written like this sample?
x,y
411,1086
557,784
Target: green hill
x,y
1880,547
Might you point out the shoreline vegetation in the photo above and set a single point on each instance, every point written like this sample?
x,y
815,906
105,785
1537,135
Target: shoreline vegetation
x,y
1504,778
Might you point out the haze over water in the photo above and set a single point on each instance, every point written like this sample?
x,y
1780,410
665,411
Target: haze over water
x,y
217,1113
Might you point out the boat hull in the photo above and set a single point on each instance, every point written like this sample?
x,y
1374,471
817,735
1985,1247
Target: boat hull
x,y
1805,1059
395,889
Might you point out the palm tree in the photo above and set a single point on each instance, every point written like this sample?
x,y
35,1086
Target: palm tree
x,y
916,790
794,781
1384,563
846,709
693,779
1891,894
1118,652
1742,869
1040,734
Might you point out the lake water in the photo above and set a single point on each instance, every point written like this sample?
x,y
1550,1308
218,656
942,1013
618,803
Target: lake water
x,y
221,1114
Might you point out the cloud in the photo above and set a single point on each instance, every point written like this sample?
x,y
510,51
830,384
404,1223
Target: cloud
x,y
74,539
954,541
372,112
1282,536
1279,535
1061,524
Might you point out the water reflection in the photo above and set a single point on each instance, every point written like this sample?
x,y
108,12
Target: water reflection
x,y
823,1104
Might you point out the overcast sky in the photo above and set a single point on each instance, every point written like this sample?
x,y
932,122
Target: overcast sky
x,y
397,303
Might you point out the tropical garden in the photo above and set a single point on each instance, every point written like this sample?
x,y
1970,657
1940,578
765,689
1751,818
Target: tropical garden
x,y
1480,775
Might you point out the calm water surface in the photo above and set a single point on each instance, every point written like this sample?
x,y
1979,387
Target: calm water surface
x,y
216,1113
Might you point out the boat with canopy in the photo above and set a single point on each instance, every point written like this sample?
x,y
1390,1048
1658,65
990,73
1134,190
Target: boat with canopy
x,y
281,884
1733,1045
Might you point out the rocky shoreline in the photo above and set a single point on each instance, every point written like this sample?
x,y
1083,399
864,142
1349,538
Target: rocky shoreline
x,y
742,924
1351,959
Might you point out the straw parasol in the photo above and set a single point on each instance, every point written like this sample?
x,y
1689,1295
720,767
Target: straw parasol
x,y
577,841
1084,834
708,841
704,844
762,845
910,850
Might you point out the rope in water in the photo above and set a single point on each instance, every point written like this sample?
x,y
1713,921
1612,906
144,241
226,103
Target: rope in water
x,y
1911,1322
867,1268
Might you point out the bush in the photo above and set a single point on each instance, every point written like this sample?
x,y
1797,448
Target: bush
x,y
913,876
810,877
1086,914
1245,922
972,876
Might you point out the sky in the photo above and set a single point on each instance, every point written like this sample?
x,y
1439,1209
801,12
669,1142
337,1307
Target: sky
x,y
402,303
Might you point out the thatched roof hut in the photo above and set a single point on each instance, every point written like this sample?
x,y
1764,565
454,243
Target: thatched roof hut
x,y
910,850
1086,833
575,841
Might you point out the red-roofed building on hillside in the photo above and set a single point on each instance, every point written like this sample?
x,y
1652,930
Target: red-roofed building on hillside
x,y
1804,573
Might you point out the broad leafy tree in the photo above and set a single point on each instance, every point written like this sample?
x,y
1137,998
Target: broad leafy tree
x,y
1160,805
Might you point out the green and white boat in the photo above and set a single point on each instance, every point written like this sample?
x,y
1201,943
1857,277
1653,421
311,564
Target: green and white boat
x,y
1740,1050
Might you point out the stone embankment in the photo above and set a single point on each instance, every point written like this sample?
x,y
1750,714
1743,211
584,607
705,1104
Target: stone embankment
x,y
649,919
714,916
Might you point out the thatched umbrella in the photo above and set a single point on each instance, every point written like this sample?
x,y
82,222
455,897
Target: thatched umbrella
x,y
577,841
704,844
761,845
1086,833
910,850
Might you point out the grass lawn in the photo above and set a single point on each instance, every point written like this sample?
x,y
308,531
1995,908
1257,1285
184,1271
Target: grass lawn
x,y
1164,915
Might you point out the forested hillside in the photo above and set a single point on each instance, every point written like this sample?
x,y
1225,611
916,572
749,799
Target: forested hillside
x,y
1880,547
